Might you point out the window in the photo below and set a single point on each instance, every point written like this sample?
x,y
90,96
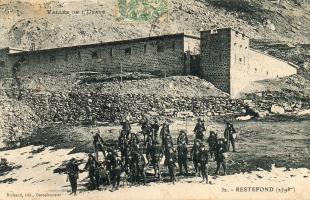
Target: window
x,y
240,60
52,59
79,55
173,46
66,57
111,52
255,69
221,57
267,72
128,51
2,64
94,55
235,44
160,48
144,48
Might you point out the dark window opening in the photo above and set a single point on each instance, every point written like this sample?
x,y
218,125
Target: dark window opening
x,y
173,46
66,57
144,48
52,59
267,73
128,51
79,55
160,48
94,55
111,52
240,59
2,64
256,69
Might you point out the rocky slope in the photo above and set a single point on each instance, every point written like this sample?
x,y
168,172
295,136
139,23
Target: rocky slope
x,y
28,21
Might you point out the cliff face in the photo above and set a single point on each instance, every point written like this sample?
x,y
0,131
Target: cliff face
x,y
50,24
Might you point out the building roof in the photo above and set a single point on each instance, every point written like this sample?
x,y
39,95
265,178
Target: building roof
x,y
144,39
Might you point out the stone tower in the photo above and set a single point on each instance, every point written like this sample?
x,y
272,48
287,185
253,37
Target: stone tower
x,y
222,51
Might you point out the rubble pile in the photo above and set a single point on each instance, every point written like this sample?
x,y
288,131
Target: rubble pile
x,y
80,107
17,122
189,86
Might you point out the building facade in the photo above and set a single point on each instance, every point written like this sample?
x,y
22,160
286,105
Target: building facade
x,y
223,57
227,61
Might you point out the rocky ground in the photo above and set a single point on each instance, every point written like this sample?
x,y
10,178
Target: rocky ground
x,y
25,22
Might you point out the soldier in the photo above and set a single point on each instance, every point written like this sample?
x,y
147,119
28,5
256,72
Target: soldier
x,y
116,170
73,174
137,166
220,157
155,129
182,151
170,162
110,159
148,146
230,136
164,131
141,167
123,145
199,129
126,126
133,140
182,137
212,141
156,155
146,129
203,162
93,171
194,155
98,145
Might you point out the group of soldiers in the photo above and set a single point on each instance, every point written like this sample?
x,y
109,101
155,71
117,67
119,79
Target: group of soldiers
x,y
127,158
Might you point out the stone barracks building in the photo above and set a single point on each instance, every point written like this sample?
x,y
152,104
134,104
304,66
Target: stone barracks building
x,y
221,56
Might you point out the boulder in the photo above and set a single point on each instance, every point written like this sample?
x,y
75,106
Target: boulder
x,y
244,118
304,112
277,109
263,114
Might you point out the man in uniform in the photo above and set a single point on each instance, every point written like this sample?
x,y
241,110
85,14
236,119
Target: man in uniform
x,y
212,141
137,166
73,174
126,126
156,155
171,159
155,129
123,145
230,136
98,145
164,131
145,128
116,170
203,162
194,155
92,166
199,129
220,156
182,151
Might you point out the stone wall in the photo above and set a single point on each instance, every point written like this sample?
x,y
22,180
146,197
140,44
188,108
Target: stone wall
x,y
159,54
77,107
258,67
215,57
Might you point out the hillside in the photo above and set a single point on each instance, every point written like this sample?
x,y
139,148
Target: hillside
x,y
28,21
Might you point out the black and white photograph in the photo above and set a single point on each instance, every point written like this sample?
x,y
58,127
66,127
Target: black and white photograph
x,y
154,99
